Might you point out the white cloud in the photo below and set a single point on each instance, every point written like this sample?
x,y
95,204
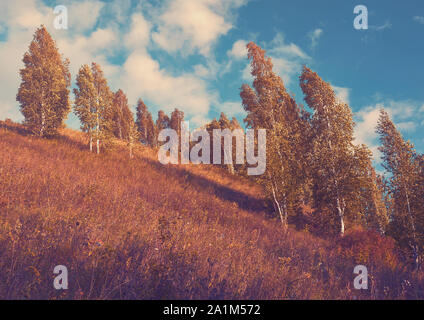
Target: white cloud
x,y
83,15
404,114
239,50
366,124
287,58
139,35
418,19
143,77
279,47
342,93
84,42
82,49
194,26
232,109
247,73
386,25
20,18
314,36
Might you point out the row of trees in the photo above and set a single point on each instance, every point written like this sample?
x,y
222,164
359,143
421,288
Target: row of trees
x,y
312,160
104,115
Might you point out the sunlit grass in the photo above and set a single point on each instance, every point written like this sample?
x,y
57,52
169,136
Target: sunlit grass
x,y
135,229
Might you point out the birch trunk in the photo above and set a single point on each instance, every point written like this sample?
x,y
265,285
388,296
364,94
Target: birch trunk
x,y
414,236
97,133
341,214
281,211
43,121
91,141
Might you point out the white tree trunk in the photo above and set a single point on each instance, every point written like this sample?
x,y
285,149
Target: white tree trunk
x,y
91,142
97,133
281,211
341,216
43,121
414,234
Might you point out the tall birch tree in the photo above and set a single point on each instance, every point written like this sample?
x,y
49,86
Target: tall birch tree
x,y
406,186
44,91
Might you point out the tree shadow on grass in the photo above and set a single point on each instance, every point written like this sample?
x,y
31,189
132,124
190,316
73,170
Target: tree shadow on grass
x,y
243,200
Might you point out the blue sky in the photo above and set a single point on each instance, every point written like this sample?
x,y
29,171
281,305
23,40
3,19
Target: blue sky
x,y
191,54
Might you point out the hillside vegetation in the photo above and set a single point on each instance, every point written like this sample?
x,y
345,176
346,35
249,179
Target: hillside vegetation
x,y
135,229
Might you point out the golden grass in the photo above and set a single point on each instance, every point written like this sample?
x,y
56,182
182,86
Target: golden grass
x,y
135,229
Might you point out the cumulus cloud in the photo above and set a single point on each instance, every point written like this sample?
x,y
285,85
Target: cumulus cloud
x,y
232,109
365,129
82,49
405,115
20,18
144,77
194,26
239,50
342,93
23,17
287,58
83,15
139,35
139,75
279,47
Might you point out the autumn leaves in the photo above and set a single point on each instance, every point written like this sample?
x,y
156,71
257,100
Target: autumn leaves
x,y
44,90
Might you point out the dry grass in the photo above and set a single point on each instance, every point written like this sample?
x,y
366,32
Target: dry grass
x,y
134,229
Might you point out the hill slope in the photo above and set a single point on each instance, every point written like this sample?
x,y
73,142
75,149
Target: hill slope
x,y
135,229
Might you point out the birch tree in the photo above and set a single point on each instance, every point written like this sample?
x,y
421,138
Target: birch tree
x,y
269,106
102,107
402,162
162,122
177,117
225,123
133,136
145,125
85,102
44,91
122,117
338,165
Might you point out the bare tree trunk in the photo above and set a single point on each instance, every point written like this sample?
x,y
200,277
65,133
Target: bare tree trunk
x,y
414,234
277,205
340,210
97,133
43,121
91,141
281,211
341,215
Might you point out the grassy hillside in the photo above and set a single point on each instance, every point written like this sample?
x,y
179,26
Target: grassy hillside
x,y
135,229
